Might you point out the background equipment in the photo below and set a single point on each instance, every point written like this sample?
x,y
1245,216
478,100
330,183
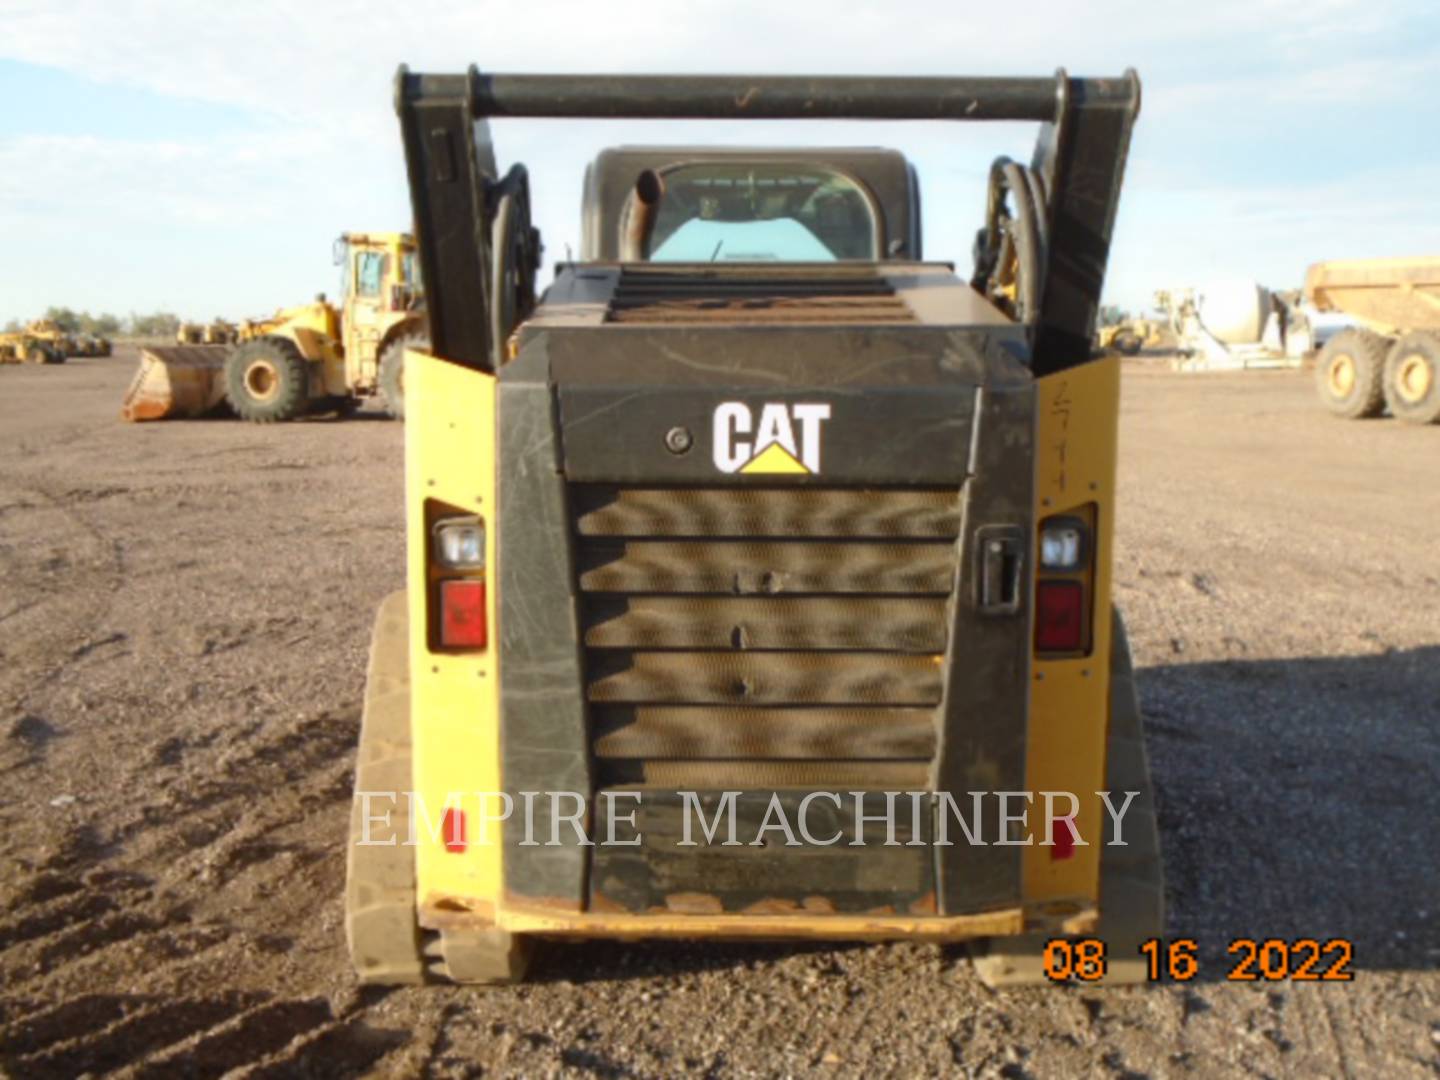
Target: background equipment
x,y
1392,359
311,357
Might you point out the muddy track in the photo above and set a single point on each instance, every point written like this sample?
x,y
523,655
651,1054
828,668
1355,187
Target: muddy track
x,y
184,611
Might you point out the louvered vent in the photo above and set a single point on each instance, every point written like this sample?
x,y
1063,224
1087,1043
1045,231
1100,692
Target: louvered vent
x,y
762,637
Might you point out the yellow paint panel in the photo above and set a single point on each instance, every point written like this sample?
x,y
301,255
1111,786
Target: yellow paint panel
x,y
1078,414
454,699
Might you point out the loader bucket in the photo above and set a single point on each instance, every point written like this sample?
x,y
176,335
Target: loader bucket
x,y
176,380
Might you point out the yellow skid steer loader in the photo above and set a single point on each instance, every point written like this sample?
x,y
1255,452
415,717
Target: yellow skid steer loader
x,y
759,572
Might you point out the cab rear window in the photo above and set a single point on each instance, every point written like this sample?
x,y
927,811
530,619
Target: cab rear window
x,y
756,212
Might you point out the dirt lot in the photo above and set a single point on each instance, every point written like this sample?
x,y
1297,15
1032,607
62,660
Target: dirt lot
x,y
184,610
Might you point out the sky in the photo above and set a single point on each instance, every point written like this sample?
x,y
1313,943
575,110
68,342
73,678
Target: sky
x,y
201,157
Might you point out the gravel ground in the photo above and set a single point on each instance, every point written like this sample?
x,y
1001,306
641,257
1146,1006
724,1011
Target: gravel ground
x,y
184,611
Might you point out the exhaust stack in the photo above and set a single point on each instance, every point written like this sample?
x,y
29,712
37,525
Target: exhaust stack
x,y
649,190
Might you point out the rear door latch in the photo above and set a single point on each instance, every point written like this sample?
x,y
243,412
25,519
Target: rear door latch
x,y
1000,564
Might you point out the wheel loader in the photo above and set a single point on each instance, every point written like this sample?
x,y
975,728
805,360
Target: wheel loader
x,y
25,347
60,343
1128,337
306,358
1391,360
759,571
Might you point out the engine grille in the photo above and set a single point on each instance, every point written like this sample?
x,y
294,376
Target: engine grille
x,y
657,295
764,637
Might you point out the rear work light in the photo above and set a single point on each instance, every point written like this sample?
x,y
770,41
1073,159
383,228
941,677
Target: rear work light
x,y
460,543
1059,617
1063,544
462,613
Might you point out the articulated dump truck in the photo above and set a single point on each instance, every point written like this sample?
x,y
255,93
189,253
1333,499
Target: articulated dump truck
x,y
759,572
1391,360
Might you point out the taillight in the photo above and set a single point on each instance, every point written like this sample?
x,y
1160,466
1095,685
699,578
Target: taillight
x,y
1062,840
458,616
1059,617
1064,583
462,613
452,830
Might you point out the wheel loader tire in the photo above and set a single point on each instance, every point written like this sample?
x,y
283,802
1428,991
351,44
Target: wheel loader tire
x,y
267,380
1132,882
1350,374
38,354
386,944
392,369
1127,344
1412,378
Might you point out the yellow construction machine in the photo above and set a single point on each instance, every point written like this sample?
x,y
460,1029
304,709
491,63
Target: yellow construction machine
x,y
1128,337
26,347
59,342
93,345
759,572
1391,360
307,358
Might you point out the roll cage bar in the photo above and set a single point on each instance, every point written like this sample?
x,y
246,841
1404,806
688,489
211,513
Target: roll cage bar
x,y
472,226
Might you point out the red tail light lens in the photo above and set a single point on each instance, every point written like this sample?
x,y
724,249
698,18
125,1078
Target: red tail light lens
x,y
1059,617
1062,839
462,614
452,830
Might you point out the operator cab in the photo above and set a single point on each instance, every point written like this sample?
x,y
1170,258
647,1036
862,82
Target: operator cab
x,y
754,205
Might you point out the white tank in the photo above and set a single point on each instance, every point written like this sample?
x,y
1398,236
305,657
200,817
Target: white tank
x,y
1234,311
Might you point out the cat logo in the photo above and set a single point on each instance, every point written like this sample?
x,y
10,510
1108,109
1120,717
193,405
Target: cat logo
x,y
770,446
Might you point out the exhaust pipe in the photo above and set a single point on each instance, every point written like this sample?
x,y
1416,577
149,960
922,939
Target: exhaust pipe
x,y
649,190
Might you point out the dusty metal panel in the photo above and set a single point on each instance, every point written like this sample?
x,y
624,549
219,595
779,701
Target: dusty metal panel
x,y
544,738
928,293
897,402
780,358
747,733
918,513
891,623
988,668
867,435
768,878
765,678
766,568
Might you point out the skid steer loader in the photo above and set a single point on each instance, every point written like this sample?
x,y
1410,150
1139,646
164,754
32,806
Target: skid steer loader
x,y
313,356
759,573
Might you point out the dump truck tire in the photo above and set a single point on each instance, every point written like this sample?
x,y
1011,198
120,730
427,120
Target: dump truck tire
x,y
1350,374
1132,881
1412,378
392,369
267,380
387,945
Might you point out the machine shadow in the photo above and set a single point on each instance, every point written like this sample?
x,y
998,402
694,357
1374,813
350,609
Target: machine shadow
x,y
1298,799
